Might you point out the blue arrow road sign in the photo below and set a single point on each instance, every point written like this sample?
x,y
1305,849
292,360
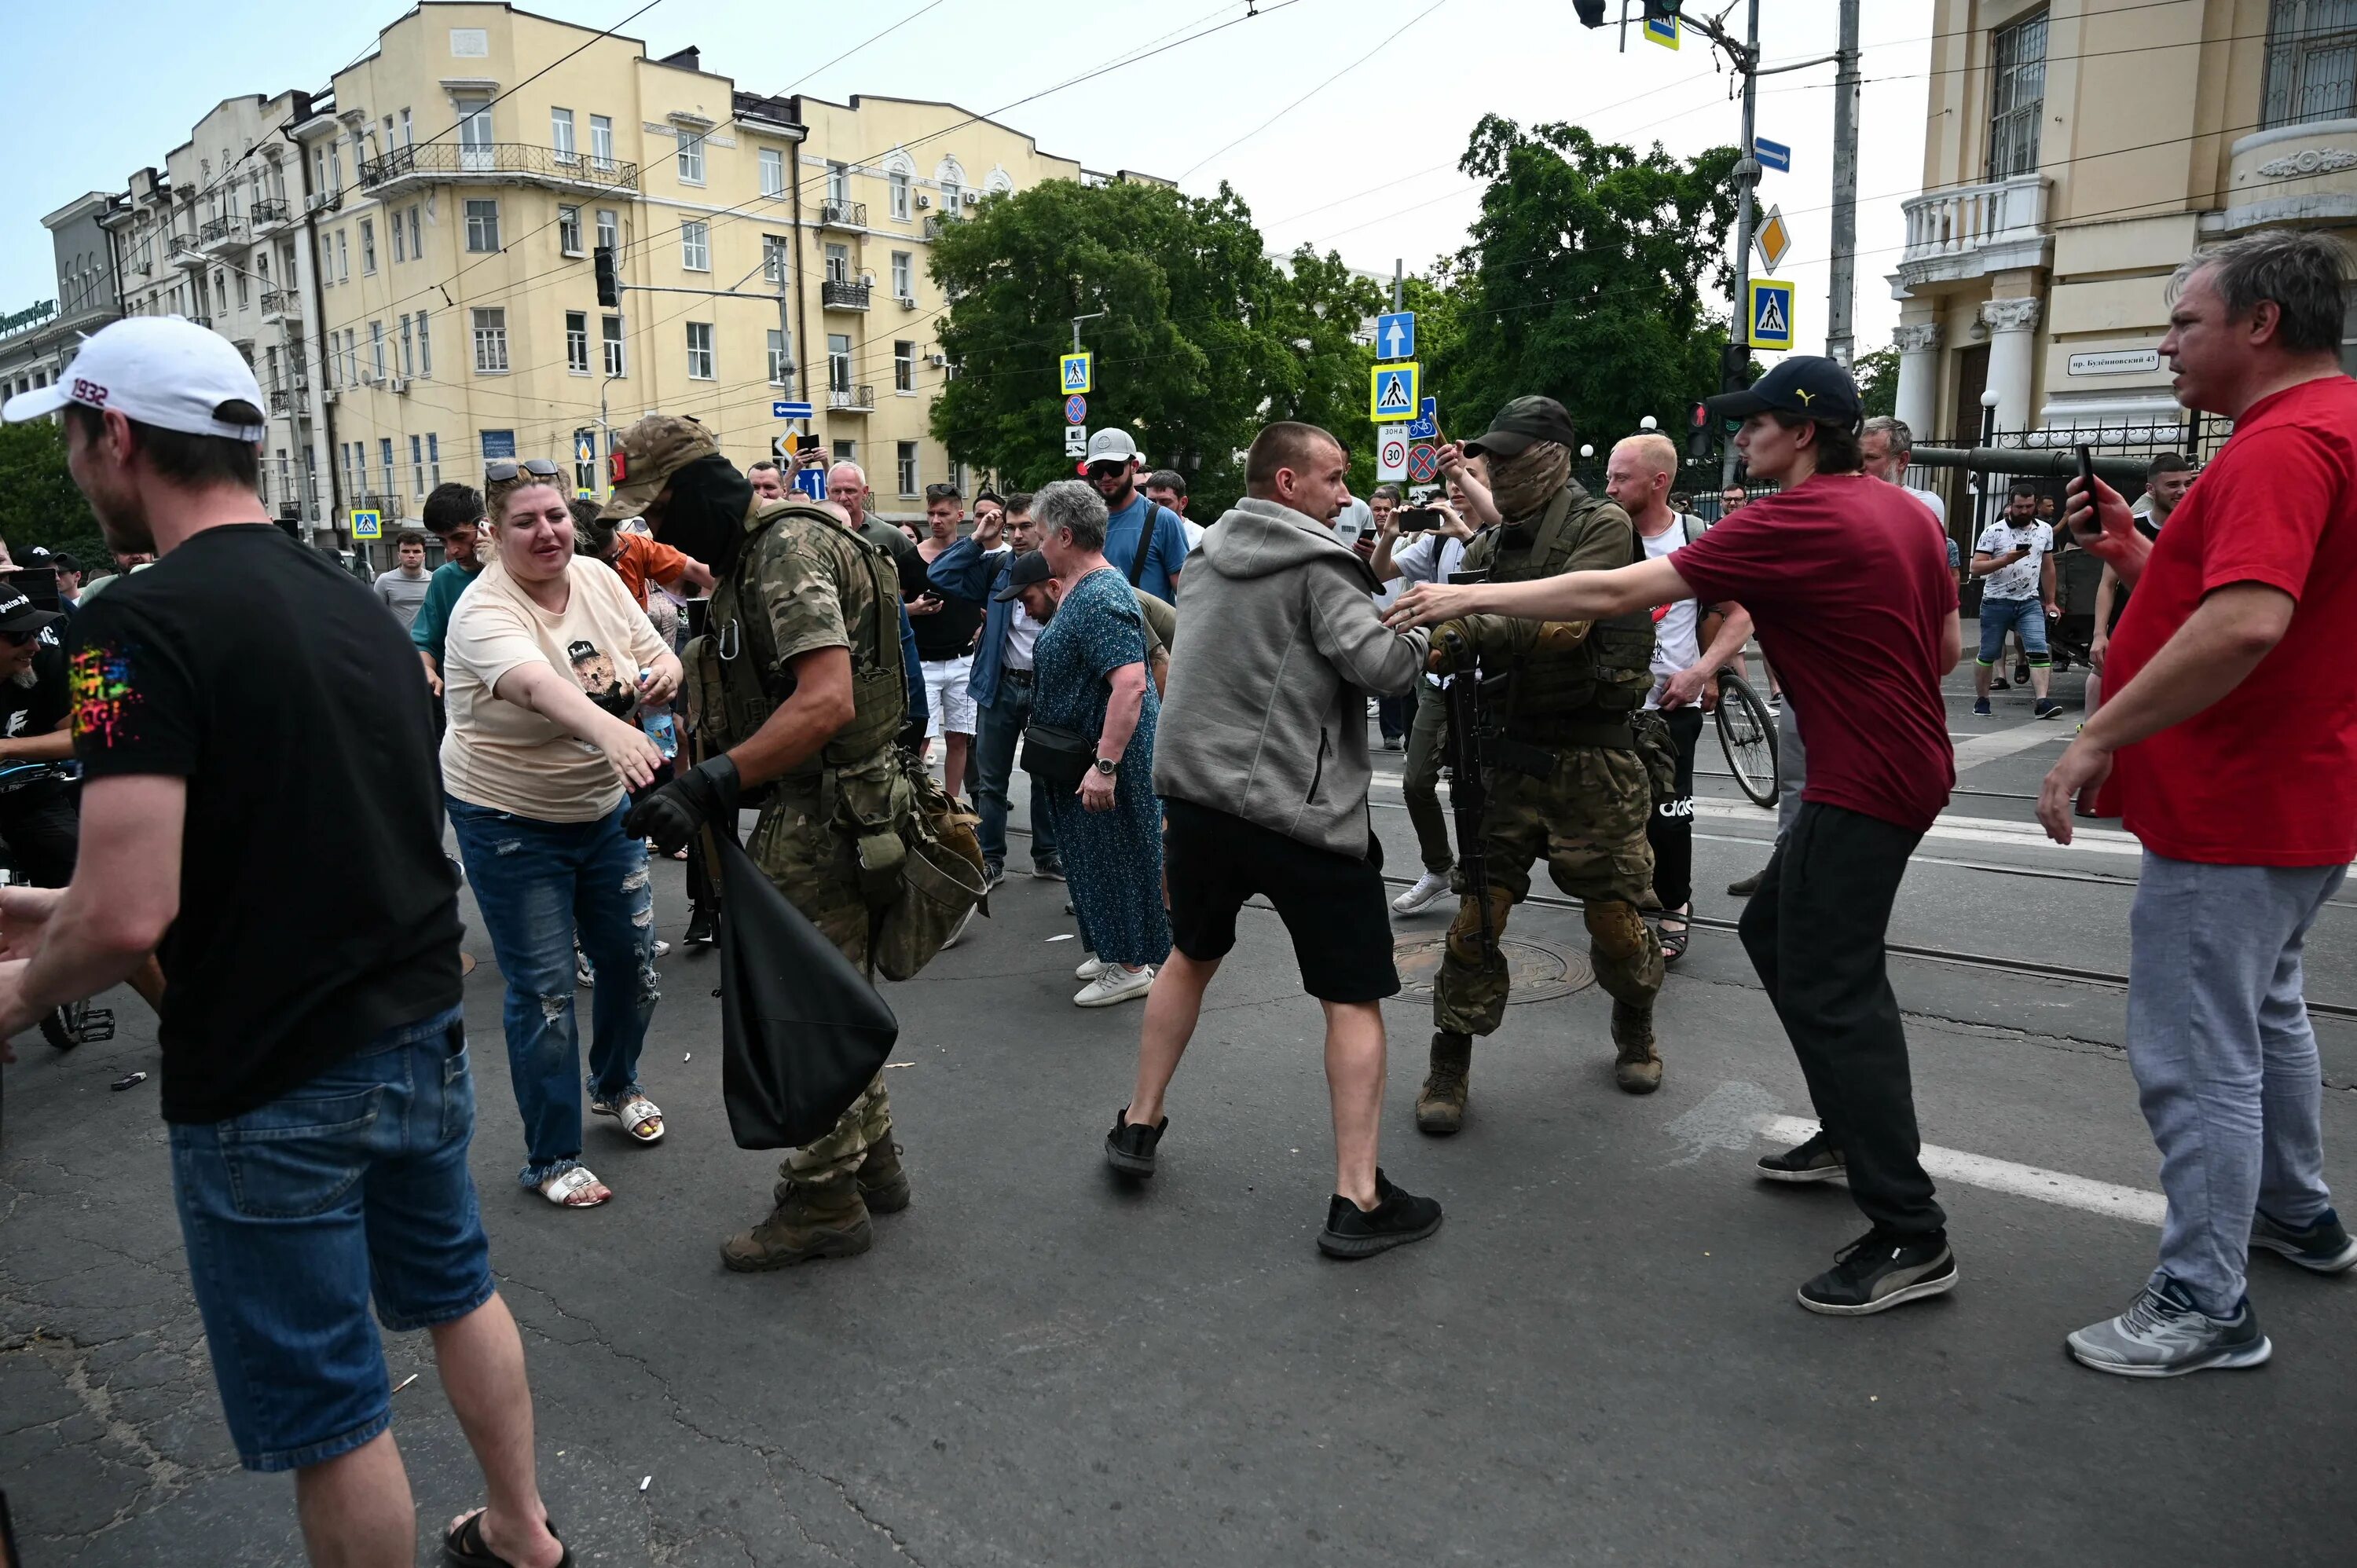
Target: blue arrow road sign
x,y
1396,336
812,482
1773,155
791,411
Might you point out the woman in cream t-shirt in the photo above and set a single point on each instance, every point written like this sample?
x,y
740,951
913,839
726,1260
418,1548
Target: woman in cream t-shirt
x,y
548,658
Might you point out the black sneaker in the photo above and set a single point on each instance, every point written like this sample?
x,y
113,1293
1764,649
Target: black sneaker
x,y
1397,1218
993,873
1049,870
699,927
1877,1272
1746,887
1819,1159
2047,708
2324,1248
1129,1147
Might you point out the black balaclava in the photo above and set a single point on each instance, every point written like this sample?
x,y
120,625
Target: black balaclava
x,y
704,512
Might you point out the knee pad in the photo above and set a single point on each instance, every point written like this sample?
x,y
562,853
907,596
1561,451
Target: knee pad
x,y
1465,931
1616,927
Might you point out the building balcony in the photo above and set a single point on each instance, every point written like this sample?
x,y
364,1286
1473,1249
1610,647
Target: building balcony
x,y
851,400
841,294
269,212
221,234
279,303
281,401
1972,230
496,163
2293,174
185,254
935,221
831,214
323,201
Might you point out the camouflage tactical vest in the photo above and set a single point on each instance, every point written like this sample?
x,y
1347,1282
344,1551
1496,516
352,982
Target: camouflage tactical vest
x,y
1560,698
735,663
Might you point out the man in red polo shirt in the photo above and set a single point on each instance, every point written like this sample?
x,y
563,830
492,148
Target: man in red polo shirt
x,y
2228,735
1866,684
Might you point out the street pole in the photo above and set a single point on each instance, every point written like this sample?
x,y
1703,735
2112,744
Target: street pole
x,y
1840,342
1746,179
1399,284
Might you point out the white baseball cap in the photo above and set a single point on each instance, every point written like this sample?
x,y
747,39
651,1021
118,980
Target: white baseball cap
x,y
1111,445
164,370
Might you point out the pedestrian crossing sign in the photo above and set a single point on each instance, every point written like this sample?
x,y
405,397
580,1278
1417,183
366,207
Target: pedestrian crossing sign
x,y
1771,314
1392,396
367,524
1077,374
1661,30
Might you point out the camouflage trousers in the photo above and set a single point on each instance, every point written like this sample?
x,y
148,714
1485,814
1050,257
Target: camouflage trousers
x,y
1587,823
816,868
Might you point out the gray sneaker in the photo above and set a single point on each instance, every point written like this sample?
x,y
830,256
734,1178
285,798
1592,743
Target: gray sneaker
x,y
2324,1248
2163,1335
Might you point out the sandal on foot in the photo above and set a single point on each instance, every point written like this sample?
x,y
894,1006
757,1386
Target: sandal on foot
x,y
1675,930
565,1187
639,1115
462,1545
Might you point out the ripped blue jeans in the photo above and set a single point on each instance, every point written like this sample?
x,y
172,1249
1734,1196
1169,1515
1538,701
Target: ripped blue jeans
x,y
537,883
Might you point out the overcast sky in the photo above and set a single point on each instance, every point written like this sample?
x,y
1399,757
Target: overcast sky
x,y
1365,164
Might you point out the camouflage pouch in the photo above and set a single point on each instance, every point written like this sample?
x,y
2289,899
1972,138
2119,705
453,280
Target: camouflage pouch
x,y
1660,751
941,877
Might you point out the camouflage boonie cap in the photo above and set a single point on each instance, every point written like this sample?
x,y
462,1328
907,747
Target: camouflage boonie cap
x,y
649,453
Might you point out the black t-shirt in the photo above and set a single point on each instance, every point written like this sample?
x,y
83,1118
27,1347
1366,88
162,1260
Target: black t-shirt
x,y
34,710
949,632
317,907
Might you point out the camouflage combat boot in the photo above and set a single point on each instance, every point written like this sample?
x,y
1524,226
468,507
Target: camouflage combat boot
x,y
883,1183
1441,1106
815,1220
1638,1070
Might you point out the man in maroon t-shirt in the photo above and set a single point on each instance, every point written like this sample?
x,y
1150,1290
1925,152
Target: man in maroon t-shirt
x,y
1866,684
2229,734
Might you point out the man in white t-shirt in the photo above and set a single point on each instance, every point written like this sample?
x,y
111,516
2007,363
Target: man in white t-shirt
x,y
1433,553
2014,557
1638,476
1887,444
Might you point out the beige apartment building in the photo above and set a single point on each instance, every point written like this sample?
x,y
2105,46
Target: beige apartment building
x,y
768,249
2077,152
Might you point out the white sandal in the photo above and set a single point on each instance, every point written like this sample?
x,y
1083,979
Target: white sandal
x,y
562,1189
635,1114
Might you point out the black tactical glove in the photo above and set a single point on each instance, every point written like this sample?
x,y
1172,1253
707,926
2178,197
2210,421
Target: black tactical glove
x,y
671,815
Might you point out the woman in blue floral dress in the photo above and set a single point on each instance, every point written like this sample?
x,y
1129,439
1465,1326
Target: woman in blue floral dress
x,y
1090,677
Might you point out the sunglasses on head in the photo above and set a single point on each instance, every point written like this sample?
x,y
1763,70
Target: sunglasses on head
x,y
501,472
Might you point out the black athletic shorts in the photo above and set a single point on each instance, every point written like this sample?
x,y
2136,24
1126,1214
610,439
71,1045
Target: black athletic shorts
x,y
1332,904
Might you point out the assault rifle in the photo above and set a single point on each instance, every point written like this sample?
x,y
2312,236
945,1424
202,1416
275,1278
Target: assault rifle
x,y
1468,792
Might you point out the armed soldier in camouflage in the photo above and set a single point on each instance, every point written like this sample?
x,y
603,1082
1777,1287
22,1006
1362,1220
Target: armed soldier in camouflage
x,y
1567,781
798,694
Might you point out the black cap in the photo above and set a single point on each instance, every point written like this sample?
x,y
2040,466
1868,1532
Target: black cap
x,y
1520,422
1028,570
1809,385
17,614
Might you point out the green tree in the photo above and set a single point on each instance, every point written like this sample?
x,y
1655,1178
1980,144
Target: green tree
x,y
38,503
1205,338
1583,280
1878,381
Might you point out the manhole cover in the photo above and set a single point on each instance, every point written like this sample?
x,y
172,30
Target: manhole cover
x,y
1533,974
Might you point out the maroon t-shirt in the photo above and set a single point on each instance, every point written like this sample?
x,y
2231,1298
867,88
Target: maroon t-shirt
x,y
1846,579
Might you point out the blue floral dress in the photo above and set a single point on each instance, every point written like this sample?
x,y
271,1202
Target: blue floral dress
x,y
1112,859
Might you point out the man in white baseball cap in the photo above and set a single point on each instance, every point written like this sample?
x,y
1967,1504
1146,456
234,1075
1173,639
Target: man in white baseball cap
x,y
1146,542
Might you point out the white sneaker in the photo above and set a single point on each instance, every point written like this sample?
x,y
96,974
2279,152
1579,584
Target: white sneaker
x,y
1113,984
582,974
1089,968
661,947
1429,889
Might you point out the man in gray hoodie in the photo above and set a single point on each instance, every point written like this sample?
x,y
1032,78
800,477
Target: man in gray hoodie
x,y
1261,768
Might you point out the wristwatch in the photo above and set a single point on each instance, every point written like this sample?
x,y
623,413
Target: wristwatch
x,y
1108,766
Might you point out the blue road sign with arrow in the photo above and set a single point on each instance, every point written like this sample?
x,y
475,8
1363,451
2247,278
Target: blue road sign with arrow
x,y
1773,155
1396,336
791,411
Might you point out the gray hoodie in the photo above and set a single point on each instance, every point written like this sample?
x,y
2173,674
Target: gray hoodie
x,y
1278,644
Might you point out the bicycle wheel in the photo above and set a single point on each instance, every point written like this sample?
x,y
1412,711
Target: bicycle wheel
x,y
1747,733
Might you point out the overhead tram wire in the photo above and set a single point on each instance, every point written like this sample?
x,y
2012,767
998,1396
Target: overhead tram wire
x,y
1390,40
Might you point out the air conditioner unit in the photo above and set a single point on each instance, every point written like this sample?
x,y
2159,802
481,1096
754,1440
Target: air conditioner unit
x,y
937,360
400,384
972,197
923,201
908,301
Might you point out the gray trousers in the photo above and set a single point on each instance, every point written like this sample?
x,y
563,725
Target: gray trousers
x,y
1792,767
2224,1060
1420,777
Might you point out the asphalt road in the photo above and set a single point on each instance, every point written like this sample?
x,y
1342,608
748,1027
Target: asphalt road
x,y
1597,1360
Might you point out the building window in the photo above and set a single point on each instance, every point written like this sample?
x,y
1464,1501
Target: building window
x,y
560,134
691,157
2017,97
433,459
777,358
490,341
376,350
576,341
615,364
2311,62
424,349
483,225
368,247
695,245
417,245
906,467
400,242
408,130
699,351
897,182
838,263
602,141
474,133
241,292
957,477
838,183
286,476
416,464
773,172
343,258
568,230
408,358
384,461
904,275
838,361
609,229
773,258
904,366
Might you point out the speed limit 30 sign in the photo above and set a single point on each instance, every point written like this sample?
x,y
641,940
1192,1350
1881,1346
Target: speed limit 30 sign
x,y
1391,454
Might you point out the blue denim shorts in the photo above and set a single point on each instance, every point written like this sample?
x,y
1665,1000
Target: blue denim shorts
x,y
2000,616
297,1211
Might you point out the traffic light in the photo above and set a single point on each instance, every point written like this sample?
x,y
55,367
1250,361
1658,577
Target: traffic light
x,y
1698,433
1591,12
1734,367
1661,10
610,285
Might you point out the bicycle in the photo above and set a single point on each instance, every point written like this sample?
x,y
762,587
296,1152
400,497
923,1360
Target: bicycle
x,y
1747,733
